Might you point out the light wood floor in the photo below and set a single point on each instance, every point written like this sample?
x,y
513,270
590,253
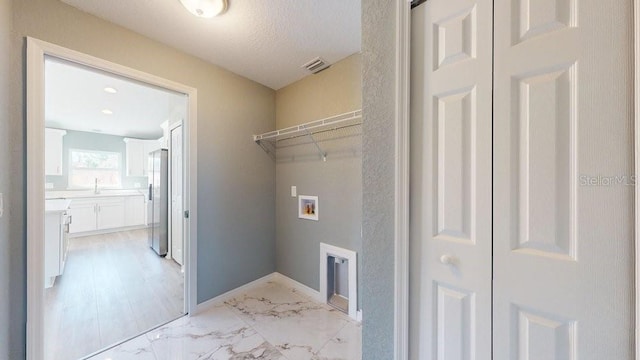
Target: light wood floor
x,y
113,287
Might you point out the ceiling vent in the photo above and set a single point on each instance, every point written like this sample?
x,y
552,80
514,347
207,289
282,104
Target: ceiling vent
x,y
316,65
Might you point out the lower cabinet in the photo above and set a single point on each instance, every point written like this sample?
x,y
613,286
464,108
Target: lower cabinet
x,y
83,213
56,244
104,213
110,213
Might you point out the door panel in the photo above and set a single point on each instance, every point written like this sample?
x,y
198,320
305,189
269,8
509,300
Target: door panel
x,y
562,112
455,315
451,179
545,142
453,123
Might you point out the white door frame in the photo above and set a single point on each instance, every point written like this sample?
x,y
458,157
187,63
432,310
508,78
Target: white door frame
x,y
402,156
36,52
172,127
636,171
402,168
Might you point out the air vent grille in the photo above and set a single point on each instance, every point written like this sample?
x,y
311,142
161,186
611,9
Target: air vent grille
x,y
316,65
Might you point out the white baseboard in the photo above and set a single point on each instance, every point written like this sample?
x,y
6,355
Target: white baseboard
x,y
204,306
106,231
273,277
299,287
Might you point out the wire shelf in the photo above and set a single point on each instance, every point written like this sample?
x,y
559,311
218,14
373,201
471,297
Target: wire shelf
x,y
269,140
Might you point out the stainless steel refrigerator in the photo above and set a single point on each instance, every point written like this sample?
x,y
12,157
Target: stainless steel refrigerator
x,y
158,197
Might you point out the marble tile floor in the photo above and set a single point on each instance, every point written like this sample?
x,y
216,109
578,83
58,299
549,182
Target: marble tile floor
x,y
268,321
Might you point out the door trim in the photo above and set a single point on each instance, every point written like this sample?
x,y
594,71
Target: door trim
x,y
36,52
172,127
636,172
402,168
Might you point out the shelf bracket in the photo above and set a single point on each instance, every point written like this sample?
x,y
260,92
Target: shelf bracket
x,y
322,152
271,152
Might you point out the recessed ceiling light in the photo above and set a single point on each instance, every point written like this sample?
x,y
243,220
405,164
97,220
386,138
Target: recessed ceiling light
x,y
110,90
205,8
107,112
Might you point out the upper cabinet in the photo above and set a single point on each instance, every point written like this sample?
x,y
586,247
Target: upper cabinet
x,y
137,153
53,151
135,157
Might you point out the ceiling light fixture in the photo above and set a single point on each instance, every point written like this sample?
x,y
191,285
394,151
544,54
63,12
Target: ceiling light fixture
x,y
110,90
107,112
205,8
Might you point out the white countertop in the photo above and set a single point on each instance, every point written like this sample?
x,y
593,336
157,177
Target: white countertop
x,y
56,205
77,194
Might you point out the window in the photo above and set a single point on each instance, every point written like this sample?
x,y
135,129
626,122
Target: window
x,y
85,166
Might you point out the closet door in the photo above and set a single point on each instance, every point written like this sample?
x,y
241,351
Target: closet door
x,y
451,177
563,239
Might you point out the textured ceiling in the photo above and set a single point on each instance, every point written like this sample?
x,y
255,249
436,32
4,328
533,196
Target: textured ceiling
x,y
264,40
75,98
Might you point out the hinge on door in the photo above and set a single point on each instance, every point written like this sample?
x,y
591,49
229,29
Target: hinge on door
x,y
186,214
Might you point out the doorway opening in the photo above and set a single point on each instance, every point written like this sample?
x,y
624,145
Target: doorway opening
x,y
125,247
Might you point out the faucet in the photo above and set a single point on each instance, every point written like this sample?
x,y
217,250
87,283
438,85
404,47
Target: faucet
x,y
95,187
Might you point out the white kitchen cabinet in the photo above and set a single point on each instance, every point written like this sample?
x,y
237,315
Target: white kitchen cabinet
x,y
135,210
53,145
110,213
83,212
151,146
137,154
56,241
107,212
135,150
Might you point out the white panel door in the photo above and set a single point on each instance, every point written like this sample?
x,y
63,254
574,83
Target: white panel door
x,y
562,249
177,218
451,179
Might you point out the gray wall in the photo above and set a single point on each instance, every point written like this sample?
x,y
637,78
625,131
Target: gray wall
x,y
338,185
378,63
232,170
11,270
93,141
337,182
